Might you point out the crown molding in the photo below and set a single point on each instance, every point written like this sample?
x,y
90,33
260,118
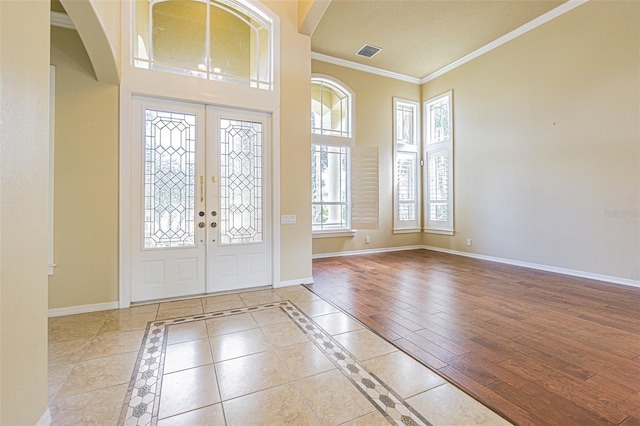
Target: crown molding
x,y
366,68
542,19
62,20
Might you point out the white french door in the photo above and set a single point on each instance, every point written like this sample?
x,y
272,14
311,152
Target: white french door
x,y
201,208
239,231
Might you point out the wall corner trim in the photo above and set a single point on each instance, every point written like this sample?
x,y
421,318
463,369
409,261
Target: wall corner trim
x,y
45,419
83,309
546,268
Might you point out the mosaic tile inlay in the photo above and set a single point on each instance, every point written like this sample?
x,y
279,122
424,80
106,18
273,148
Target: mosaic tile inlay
x,y
142,402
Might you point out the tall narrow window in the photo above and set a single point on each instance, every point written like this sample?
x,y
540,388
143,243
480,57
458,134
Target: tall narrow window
x,y
439,159
332,139
223,40
406,149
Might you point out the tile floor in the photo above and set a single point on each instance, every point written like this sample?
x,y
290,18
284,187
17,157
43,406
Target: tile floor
x,y
265,357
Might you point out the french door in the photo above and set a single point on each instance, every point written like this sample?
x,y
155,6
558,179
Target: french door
x,y
200,199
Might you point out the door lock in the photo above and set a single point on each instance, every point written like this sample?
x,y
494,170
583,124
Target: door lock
x,y
201,214
213,224
214,213
201,225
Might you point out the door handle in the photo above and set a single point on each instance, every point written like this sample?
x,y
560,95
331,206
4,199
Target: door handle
x,y
213,224
201,225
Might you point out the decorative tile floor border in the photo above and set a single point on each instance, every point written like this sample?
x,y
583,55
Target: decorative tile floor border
x,y
142,401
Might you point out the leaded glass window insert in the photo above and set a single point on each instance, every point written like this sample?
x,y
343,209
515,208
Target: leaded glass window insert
x,y
406,126
439,172
439,128
241,182
406,147
169,179
329,183
221,40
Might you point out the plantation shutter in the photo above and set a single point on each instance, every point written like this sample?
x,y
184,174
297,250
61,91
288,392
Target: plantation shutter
x,y
364,188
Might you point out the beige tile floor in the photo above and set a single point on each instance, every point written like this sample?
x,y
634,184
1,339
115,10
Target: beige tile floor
x,y
240,369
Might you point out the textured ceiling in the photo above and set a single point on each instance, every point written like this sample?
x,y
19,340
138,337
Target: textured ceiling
x,y
418,37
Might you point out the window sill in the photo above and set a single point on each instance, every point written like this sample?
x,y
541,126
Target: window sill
x,y
333,234
407,231
439,231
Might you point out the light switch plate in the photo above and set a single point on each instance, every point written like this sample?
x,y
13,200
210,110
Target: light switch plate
x,y
288,219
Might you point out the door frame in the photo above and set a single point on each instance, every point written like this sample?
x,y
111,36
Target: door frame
x,y
263,104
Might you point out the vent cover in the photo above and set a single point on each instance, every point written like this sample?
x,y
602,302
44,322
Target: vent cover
x,y
368,51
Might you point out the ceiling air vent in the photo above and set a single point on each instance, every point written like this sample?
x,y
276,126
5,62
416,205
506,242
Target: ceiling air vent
x,y
368,51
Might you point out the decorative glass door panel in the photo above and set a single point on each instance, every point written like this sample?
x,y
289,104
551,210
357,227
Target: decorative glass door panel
x,y
241,170
169,179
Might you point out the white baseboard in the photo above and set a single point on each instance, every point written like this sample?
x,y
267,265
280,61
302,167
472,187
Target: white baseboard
x,y
370,251
82,309
45,419
547,268
299,281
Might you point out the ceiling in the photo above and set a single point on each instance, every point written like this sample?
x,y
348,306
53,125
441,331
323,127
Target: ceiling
x,y
418,37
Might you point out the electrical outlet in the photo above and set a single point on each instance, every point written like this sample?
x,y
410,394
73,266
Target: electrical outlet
x,y
367,240
468,241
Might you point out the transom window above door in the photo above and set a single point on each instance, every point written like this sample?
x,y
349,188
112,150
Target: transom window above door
x,y
218,40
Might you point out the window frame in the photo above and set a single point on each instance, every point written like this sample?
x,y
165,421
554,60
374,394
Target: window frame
x,y
145,61
401,148
345,142
432,147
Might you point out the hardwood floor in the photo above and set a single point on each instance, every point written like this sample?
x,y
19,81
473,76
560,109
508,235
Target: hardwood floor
x,y
537,347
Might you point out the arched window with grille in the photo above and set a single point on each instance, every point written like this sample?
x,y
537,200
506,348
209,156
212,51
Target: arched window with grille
x,y
332,137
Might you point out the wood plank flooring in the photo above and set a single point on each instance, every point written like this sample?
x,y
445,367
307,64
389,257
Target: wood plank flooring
x,y
539,348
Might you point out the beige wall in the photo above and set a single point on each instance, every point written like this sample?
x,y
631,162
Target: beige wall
x,y
86,179
374,120
24,177
547,144
295,143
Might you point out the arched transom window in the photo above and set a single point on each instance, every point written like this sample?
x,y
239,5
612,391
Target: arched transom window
x,y
331,109
223,40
